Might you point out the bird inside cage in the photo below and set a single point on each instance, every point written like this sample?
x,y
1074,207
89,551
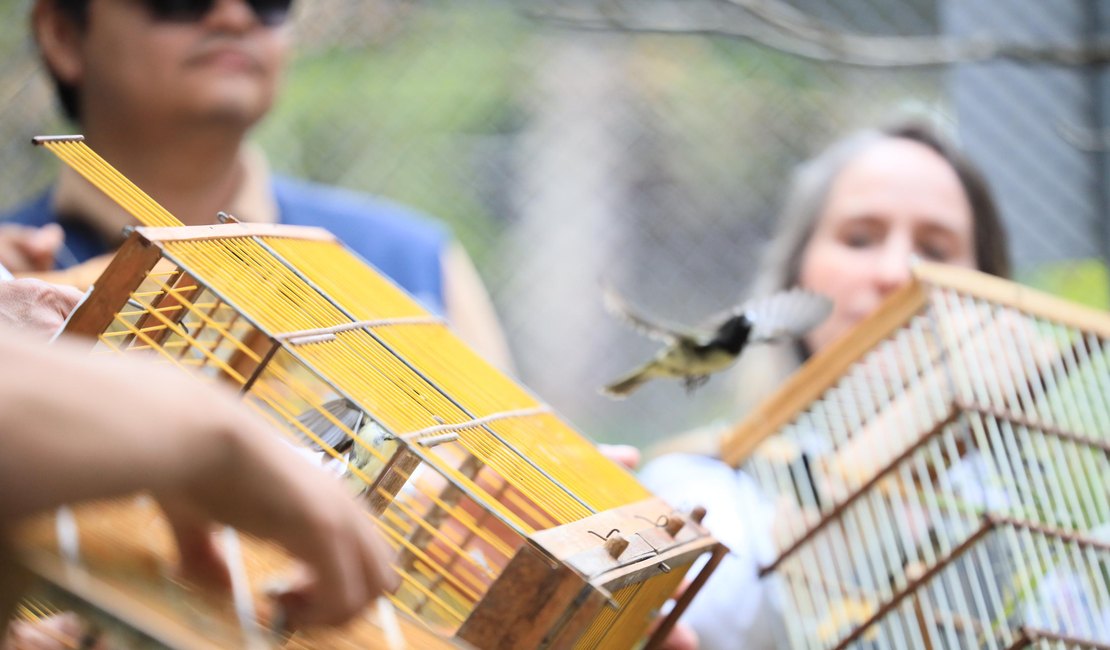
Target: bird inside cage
x,y
327,426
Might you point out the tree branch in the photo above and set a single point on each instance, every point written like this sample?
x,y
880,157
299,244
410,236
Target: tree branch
x,y
779,26
1089,140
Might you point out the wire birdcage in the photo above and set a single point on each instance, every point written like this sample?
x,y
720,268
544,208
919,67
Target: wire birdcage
x,y
939,474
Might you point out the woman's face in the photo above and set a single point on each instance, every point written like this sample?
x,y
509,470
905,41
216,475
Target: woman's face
x,y
897,199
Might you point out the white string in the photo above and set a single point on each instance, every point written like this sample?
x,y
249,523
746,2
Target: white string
x,y
65,526
473,424
240,589
391,628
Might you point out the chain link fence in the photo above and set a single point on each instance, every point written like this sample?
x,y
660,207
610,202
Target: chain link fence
x,y
648,144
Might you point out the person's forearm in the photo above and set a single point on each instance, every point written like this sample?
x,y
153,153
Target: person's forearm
x,y
76,427
470,310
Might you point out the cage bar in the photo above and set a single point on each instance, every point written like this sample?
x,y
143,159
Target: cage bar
x,y
942,471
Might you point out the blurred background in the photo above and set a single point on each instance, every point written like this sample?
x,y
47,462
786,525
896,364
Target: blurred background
x,y
649,143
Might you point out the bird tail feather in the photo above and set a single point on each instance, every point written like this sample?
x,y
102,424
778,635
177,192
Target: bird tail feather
x,y
624,386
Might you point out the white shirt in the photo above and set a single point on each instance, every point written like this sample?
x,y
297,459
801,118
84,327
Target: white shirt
x,y
734,609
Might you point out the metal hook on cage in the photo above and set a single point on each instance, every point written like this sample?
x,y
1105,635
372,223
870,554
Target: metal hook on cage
x,y
663,566
658,522
670,523
650,545
615,543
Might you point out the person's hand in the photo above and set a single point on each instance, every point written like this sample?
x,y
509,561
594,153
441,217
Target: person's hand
x,y
259,485
81,276
78,427
303,509
57,632
625,455
27,248
680,637
36,306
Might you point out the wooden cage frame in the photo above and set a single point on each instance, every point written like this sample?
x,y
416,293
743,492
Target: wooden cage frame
x,y
960,383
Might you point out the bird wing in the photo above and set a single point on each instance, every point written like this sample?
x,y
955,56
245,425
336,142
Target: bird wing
x,y
784,315
616,305
334,436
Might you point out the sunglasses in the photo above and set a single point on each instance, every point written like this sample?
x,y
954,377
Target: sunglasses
x,y
270,12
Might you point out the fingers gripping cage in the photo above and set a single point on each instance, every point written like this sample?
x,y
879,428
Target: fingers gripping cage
x,y
939,474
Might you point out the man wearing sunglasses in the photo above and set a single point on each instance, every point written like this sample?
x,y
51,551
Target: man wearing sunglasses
x,y
167,91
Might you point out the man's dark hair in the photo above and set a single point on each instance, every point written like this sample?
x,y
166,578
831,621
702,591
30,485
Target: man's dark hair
x,y
78,12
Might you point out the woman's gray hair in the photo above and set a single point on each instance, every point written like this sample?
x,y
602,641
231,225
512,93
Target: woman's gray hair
x,y
809,190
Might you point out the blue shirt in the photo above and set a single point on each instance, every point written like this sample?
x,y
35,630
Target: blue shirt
x,y
401,243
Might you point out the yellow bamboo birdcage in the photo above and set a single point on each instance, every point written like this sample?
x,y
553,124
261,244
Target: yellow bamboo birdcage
x,y
940,474
510,528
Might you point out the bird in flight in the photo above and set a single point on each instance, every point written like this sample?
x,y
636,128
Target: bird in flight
x,y
692,356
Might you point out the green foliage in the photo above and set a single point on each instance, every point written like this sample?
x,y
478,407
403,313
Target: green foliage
x,y
404,118
1085,281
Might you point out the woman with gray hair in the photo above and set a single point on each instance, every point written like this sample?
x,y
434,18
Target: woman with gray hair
x,y
857,195
855,217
